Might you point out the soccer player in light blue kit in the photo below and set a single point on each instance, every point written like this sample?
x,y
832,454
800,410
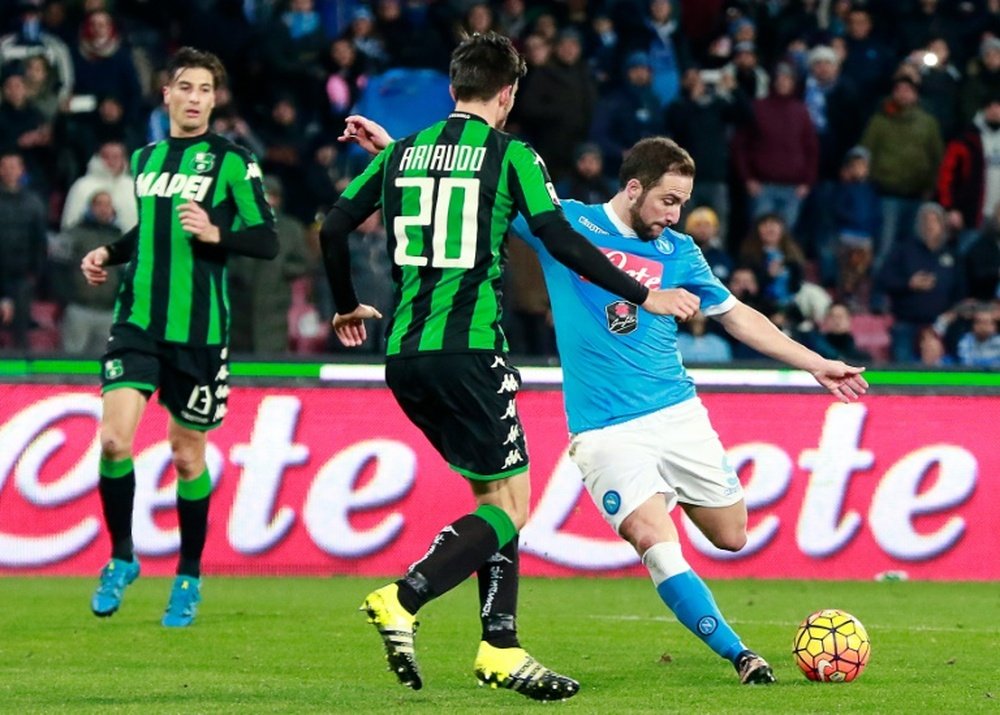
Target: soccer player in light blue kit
x,y
640,435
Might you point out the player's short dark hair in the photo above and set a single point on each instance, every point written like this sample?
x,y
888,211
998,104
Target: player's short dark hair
x,y
482,65
188,57
653,157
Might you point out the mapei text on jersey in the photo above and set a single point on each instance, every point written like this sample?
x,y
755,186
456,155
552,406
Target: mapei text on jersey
x,y
442,157
194,187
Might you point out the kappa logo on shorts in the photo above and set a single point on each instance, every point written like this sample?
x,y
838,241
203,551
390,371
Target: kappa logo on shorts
x,y
513,434
511,411
612,501
623,317
707,625
509,384
113,369
513,457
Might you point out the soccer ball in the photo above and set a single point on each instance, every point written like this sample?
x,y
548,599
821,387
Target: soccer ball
x,y
831,646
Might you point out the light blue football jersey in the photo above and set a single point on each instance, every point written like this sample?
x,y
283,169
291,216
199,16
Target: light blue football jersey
x,y
620,362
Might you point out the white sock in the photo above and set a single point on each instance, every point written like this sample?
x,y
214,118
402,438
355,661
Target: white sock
x,y
664,560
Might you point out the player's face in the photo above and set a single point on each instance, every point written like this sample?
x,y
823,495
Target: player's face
x,y
190,98
659,206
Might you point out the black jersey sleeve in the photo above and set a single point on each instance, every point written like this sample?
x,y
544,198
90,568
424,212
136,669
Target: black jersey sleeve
x,y
122,250
574,251
333,240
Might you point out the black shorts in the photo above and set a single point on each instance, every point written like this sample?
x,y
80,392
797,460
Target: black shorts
x,y
193,381
464,403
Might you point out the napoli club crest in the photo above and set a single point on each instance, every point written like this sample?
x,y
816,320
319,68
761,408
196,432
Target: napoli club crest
x,y
623,317
664,246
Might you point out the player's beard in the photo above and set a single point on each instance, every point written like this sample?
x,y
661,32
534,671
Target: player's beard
x,y
643,230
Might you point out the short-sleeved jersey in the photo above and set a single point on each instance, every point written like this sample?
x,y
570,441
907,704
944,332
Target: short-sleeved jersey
x,y
174,288
619,361
448,194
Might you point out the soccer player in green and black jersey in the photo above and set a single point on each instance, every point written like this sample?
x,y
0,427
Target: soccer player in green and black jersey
x,y
448,194
200,198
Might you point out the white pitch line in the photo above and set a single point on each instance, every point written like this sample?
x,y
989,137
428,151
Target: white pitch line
x,y
868,626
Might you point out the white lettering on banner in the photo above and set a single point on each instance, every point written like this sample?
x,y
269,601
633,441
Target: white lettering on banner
x,y
332,497
898,499
252,529
768,482
50,512
821,529
542,537
151,497
28,439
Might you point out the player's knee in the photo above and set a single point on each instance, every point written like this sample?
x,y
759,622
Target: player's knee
x,y
115,444
731,540
188,462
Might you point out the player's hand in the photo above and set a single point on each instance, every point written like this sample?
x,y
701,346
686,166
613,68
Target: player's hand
x,y
92,266
350,327
844,382
674,301
370,136
194,219
6,311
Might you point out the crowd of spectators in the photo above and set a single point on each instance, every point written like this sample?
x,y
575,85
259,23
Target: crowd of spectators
x,y
848,153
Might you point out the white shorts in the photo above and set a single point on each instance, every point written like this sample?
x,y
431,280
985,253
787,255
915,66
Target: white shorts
x,y
674,452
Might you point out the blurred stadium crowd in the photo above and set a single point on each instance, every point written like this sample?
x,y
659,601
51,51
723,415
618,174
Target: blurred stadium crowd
x,y
848,153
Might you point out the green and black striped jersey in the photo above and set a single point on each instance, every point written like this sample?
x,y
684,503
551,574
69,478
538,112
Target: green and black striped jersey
x,y
174,287
448,195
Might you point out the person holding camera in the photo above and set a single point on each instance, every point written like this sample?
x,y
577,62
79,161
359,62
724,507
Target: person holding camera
x,y
696,120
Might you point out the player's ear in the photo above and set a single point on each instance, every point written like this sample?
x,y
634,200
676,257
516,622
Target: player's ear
x,y
633,189
507,95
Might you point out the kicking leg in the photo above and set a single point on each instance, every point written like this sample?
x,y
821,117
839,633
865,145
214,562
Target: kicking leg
x,y
652,533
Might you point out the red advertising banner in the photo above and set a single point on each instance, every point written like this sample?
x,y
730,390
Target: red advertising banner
x,y
332,480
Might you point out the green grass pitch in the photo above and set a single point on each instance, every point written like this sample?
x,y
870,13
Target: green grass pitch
x,y
263,645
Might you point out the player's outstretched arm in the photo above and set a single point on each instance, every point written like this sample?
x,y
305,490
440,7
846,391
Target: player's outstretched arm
x,y
350,328
370,136
752,328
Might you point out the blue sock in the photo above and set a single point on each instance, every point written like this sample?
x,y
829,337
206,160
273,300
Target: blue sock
x,y
689,598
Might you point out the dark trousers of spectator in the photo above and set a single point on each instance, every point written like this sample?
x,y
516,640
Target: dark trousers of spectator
x,y
21,291
530,334
903,336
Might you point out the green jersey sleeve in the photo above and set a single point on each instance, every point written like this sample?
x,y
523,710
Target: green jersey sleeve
x,y
534,195
364,194
244,183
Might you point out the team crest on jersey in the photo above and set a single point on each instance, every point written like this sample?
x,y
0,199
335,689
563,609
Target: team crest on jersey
x,y
663,246
113,369
623,317
552,193
202,162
